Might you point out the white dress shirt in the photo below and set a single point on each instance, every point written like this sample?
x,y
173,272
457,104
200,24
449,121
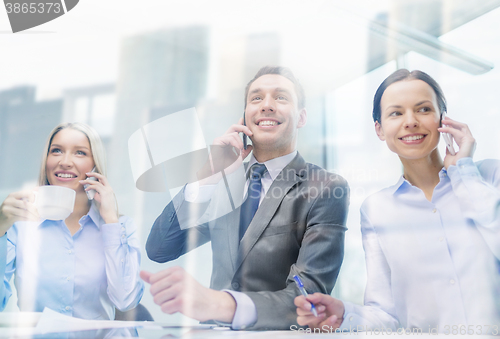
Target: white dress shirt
x,y
433,264
246,313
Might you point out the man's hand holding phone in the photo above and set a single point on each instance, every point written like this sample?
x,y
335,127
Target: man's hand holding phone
x,y
232,138
226,153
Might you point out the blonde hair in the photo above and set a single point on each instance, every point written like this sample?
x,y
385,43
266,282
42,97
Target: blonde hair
x,y
96,147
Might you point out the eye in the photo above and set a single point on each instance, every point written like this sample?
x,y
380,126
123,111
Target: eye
x,y
425,109
81,153
55,150
256,98
281,97
394,114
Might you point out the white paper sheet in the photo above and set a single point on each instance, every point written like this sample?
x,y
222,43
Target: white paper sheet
x,y
52,321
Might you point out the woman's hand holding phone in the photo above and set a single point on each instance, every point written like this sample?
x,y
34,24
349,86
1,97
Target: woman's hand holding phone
x,y
104,196
463,137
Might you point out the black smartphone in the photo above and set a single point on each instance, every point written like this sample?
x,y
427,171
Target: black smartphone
x,y
244,135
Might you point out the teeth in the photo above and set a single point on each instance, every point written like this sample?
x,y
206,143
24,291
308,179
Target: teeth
x,y
413,138
268,123
65,175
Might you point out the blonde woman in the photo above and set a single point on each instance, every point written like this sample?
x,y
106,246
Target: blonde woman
x,y
84,266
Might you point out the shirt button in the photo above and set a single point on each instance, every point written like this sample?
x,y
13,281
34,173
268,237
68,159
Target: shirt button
x,y
461,166
235,285
434,210
123,236
123,229
67,308
70,251
452,282
68,278
350,318
441,238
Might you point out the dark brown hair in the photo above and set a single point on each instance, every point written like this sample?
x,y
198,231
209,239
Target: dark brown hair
x,y
404,74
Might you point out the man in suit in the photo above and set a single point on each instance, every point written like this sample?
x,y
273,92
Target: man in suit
x,y
297,229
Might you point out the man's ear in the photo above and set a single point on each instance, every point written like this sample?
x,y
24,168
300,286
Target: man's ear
x,y
302,118
379,130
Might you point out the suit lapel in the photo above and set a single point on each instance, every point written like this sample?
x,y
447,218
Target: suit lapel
x,y
232,225
287,179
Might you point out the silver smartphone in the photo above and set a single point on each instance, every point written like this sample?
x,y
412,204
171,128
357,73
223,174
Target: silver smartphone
x,y
91,193
448,138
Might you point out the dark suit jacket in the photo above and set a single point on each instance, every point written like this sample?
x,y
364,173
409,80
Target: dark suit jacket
x,y
298,229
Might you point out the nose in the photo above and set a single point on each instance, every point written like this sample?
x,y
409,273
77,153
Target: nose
x,y
410,120
66,161
268,104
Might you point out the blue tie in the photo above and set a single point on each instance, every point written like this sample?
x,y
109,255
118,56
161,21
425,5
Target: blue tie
x,y
250,205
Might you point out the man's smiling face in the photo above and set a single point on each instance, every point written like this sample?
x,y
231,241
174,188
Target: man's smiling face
x,y
272,114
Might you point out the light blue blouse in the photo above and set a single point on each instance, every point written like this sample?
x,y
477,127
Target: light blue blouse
x,y
85,275
433,265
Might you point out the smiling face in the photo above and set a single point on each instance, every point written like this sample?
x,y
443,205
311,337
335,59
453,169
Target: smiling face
x,y
410,118
272,114
69,158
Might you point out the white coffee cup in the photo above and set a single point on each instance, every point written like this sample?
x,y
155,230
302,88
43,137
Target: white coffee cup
x,y
54,202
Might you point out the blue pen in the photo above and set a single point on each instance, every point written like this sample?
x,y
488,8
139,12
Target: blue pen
x,y
302,290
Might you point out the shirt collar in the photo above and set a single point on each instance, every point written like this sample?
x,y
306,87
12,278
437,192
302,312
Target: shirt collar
x,y
404,184
400,185
94,215
274,166
443,173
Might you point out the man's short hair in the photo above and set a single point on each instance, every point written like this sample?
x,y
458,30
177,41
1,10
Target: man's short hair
x,y
283,71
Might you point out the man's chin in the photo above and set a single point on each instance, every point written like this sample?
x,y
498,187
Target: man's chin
x,y
265,141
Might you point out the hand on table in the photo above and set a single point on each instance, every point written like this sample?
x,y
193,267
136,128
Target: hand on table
x,y
330,311
175,290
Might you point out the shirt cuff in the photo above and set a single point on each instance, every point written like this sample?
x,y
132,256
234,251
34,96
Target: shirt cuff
x,y
3,260
246,312
3,245
198,194
352,322
464,167
113,234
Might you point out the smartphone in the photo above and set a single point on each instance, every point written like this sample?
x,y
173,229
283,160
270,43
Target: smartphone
x,y
448,138
91,193
245,142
